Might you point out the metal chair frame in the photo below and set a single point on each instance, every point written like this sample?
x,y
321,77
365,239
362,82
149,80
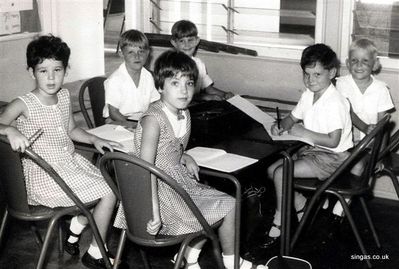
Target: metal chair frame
x,y
329,185
114,159
96,93
387,158
17,206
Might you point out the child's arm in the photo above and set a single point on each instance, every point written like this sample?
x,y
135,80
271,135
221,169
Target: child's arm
x,y
285,125
17,140
149,145
213,93
118,118
191,165
330,140
78,134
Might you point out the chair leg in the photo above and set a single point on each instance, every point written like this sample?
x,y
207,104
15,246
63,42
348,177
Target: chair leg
x,y
354,228
3,225
46,242
61,236
370,222
36,234
121,245
145,259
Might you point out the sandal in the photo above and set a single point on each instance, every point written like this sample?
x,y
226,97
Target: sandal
x,y
72,248
270,240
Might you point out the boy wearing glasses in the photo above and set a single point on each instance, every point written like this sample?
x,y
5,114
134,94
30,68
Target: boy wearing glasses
x,y
185,39
130,89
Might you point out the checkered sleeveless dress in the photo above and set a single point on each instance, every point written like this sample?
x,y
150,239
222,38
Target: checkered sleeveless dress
x,y
175,216
55,146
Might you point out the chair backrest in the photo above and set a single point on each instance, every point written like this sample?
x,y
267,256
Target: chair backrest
x,y
368,148
96,93
131,183
12,178
391,147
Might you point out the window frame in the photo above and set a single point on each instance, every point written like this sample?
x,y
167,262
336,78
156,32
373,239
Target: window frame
x,y
268,50
347,17
326,10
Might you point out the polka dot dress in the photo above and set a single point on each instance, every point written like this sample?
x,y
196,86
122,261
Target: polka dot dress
x,y
175,215
55,146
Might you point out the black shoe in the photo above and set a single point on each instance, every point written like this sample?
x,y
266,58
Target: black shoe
x,y
93,263
72,248
334,225
270,241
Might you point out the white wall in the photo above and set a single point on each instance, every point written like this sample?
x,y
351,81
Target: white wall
x,y
80,24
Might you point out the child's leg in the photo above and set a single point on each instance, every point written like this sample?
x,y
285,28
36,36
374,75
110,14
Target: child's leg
x,y
301,169
192,253
102,215
357,171
226,237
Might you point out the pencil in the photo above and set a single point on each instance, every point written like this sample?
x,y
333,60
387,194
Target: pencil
x,y
35,136
278,118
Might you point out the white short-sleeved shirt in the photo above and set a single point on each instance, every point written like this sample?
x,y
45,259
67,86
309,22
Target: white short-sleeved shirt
x,y
376,98
204,80
331,112
122,93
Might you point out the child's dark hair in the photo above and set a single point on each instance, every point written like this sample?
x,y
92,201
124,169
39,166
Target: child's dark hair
x,y
319,53
134,38
183,28
47,47
170,63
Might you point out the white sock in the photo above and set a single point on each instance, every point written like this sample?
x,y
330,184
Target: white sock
x,y
338,209
228,261
274,231
95,252
299,202
326,203
192,254
76,227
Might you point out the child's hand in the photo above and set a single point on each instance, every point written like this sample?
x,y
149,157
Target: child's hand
x,y
297,130
191,165
100,143
153,226
370,128
212,97
129,125
228,95
275,130
17,140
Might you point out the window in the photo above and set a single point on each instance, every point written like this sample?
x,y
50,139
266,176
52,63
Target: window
x,y
286,26
378,21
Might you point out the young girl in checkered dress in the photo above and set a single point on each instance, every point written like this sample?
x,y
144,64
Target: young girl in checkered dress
x,y
47,108
161,136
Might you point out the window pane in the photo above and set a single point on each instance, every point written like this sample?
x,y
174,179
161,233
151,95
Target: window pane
x,y
246,23
380,23
208,16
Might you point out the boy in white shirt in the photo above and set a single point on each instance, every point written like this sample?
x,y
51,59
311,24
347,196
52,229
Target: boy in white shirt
x,y
325,114
185,39
130,89
370,98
